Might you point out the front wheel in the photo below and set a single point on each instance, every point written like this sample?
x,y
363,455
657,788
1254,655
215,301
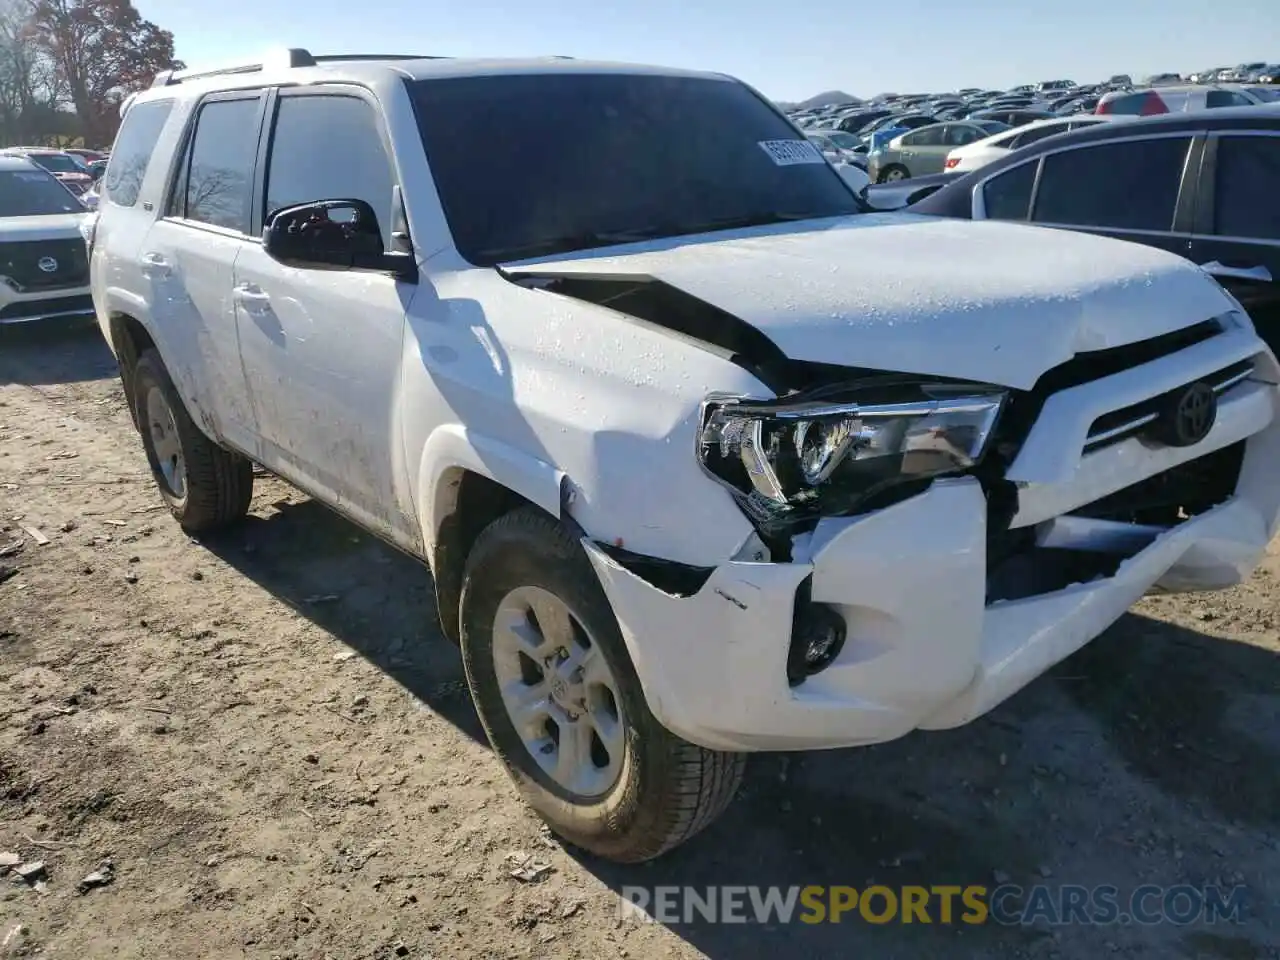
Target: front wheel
x,y
204,486
893,173
562,705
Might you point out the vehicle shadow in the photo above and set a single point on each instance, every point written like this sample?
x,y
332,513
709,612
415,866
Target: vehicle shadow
x,y
1151,725
372,597
51,352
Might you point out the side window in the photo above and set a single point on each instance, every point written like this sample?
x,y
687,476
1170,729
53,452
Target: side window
x,y
1039,133
924,137
958,135
132,151
1008,196
1226,98
216,181
1125,186
1247,202
344,130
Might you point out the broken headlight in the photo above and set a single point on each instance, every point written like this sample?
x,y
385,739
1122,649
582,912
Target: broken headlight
x,y
799,457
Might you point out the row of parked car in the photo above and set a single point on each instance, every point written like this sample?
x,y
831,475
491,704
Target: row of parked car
x,y
78,169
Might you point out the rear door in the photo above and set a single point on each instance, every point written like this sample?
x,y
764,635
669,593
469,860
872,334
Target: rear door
x,y
1134,189
188,256
1237,230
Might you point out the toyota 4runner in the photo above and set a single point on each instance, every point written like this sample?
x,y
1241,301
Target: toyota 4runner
x,y
704,457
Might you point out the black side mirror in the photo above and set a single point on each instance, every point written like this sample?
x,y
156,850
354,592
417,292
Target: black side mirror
x,y
96,173
333,235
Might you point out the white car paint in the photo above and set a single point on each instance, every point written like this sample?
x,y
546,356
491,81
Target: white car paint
x,y
378,394
974,155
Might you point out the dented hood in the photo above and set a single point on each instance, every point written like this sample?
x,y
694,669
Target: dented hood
x,y
995,302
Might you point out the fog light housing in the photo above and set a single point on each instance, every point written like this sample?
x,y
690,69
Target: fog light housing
x,y
817,637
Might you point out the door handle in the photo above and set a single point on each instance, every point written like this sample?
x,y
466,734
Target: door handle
x,y
155,267
1217,269
252,297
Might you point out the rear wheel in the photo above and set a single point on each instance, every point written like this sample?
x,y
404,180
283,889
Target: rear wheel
x,y
562,705
893,172
204,486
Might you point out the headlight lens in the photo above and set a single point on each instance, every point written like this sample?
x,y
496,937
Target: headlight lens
x,y
798,457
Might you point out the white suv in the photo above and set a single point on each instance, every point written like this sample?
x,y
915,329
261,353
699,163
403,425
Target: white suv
x,y
704,458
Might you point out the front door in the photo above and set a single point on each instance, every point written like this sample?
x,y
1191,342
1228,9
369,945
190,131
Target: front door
x,y
322,348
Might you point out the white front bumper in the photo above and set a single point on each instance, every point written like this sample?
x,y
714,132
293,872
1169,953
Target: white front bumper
x,y
923,648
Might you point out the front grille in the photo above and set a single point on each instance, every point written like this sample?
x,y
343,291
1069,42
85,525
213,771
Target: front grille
x,y
1023,409
25,309
1129,421
20,263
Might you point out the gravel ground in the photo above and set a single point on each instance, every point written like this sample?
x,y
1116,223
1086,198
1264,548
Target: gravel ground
x,y
261,747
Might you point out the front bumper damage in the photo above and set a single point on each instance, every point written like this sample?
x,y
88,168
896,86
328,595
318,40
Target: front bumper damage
x,y
927,647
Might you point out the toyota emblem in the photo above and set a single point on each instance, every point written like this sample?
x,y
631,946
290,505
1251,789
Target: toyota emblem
x,y
1193,414
47,264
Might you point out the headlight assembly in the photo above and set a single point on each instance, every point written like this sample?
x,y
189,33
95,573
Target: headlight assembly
x,y
800,457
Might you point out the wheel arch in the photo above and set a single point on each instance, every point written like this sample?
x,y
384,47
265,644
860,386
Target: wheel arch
x,y
466,481
129,339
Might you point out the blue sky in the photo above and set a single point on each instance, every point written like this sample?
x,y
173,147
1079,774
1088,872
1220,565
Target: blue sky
x,y
790,49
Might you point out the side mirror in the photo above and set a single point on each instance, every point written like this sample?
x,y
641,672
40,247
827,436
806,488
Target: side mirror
x,y
333,235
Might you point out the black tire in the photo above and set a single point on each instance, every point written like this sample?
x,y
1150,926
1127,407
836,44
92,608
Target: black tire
x,y
893,168
668,788
219,483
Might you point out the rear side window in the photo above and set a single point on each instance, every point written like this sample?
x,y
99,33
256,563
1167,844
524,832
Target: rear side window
x,y
1008,196
132,151
1248,203
1039,133
217,177
1226,98
1124,186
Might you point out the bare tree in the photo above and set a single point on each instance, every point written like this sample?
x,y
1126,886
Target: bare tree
x,y
31,86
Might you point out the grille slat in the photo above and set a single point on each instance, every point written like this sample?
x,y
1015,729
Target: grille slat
x,y
20,263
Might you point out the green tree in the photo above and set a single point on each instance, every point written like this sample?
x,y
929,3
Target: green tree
x,y
103,50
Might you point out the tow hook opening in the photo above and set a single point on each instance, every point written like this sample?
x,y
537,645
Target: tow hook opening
x,y
669,576
817,637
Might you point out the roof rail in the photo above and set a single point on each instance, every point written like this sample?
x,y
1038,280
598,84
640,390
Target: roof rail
x,y
281,59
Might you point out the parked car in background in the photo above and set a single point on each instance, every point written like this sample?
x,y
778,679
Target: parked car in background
x,y
893,126
44,273
1120,80
925,150
1177,99
1160,79
69,170
982,152
896,194
88,156
1270,75
1014,117
1203,186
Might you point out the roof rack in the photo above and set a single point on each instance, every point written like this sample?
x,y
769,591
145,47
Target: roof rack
x,y
290,58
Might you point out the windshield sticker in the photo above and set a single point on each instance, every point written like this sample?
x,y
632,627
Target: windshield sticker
x,y
786,153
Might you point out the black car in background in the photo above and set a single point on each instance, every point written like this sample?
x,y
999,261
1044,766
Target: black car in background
x,y
1203,185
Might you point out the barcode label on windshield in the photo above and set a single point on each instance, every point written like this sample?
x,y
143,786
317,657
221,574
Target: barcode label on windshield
x,y
785,153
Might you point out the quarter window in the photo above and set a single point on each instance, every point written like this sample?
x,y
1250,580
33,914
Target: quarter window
x,y
1247,201
1131,185
131,155
344,131
217,179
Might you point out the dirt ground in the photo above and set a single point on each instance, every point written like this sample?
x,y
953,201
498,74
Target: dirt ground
x,y
266,735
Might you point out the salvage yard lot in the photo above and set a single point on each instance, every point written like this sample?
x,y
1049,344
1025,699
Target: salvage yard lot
x,y
267,736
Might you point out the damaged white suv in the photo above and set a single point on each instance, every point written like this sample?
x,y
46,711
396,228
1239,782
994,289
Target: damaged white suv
x,y
704,458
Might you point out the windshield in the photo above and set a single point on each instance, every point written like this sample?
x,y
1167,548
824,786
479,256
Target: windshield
x,y
538,164
845,140
56,162
33,193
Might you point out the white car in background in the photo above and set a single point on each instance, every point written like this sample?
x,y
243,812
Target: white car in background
x,y
44,267
974,155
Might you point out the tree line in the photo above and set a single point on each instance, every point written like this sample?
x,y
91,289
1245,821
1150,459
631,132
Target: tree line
x,y
66,65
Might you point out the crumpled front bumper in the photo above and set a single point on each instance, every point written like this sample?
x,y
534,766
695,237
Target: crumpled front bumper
x,y
923,647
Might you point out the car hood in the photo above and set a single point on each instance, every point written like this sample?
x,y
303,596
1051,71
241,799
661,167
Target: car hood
x,y
57,226
995,302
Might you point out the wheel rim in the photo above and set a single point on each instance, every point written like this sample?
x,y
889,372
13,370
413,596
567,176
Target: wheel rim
x,y
895,175
165,443
559,692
